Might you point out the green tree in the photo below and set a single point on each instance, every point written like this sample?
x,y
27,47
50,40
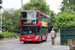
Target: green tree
x,y
68,6
64,20
40,5
0,3
10,19
51,20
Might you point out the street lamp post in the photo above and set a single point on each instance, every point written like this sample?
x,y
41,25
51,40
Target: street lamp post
x,y
21,5
1,19
33,8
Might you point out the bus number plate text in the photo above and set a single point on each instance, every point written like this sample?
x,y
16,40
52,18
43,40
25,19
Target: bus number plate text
x,y
28,39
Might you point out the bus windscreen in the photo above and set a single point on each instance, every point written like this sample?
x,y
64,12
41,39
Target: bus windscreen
x,y
29,30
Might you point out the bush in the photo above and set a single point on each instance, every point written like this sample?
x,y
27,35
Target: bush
x,y
18,34
15,35
7,34
1,35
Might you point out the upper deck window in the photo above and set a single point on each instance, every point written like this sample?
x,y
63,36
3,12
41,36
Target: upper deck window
x,y
28,15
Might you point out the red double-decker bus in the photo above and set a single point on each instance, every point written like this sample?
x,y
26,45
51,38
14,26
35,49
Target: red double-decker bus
x,y
33,26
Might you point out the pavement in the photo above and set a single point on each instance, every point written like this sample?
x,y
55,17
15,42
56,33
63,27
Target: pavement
x,y
49,46
46,45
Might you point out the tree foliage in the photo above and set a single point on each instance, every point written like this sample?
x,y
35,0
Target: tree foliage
x,y
51,20
10,19
0,3
65,20
68,6
40,5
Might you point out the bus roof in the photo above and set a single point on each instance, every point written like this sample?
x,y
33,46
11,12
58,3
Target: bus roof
x,y
34,11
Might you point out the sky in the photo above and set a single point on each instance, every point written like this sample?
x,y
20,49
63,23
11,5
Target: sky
x,y
54,4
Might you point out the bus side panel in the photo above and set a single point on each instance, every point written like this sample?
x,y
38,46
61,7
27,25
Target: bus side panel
x,y
46,36
42,36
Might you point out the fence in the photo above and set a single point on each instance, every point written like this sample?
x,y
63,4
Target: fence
x,y
66,33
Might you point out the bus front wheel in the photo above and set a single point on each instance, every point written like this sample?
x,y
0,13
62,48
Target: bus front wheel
x,y
24,41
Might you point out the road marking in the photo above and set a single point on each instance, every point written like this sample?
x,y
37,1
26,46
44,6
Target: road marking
x,y
35,47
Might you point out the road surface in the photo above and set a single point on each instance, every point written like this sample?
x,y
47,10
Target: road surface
x,y
17,45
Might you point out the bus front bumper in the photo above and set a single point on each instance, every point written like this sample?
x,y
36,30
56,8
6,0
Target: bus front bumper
x,y
22,39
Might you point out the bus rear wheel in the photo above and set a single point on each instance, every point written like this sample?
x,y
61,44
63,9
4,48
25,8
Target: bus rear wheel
x,y
45,38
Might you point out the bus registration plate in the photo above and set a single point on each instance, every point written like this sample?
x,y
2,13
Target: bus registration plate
x,y
28,39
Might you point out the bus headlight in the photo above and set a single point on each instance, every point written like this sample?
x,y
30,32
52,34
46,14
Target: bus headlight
x,y
36,37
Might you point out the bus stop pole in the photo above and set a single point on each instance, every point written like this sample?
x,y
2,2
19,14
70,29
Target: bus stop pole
x,y
1,19
21,5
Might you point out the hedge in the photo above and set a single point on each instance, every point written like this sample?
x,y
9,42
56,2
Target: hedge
x,y
8,34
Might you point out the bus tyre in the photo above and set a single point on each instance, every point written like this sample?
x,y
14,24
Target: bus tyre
x,y
45,38
40,39
24,41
